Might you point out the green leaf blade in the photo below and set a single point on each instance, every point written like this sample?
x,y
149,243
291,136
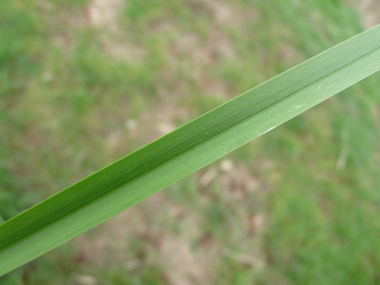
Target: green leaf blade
x,y
189,148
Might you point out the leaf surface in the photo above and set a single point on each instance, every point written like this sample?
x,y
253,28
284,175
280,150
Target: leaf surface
x,y
157,165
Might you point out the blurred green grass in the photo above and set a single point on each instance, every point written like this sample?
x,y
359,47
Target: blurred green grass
x,y
84,83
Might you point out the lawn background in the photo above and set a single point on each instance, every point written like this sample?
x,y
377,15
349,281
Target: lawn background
x,y
83,83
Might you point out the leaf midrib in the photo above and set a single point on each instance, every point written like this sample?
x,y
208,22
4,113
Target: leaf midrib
x,y
111,192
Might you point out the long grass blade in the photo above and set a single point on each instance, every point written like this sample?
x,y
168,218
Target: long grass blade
x,y
144,172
